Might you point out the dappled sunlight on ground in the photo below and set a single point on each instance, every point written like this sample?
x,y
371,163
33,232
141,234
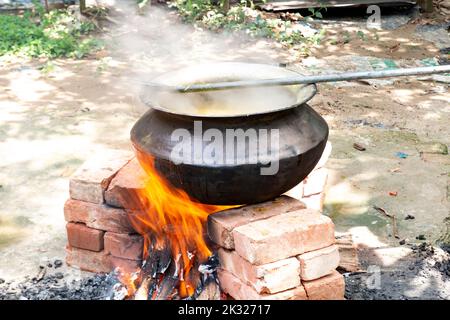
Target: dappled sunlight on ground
x,y
361,180
56,115
11,231
392,44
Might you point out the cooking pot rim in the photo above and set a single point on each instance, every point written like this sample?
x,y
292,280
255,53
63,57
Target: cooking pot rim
x,y
298,104
310,91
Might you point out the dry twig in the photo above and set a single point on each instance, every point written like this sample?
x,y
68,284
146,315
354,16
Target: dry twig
x,y
392,217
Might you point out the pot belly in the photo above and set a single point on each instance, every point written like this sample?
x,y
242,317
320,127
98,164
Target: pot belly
x,y
241,184
302,133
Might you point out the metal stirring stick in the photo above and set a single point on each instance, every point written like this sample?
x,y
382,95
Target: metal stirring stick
x,y
345,76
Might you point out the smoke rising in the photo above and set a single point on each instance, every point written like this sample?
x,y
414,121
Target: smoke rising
x,y
157,41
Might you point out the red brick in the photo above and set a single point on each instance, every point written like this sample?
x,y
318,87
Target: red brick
x,y
221,224
82,237
283,236
124,265
98,216
330,287
128,182
315,183
318,263
91,180
268,278
126,246
240,291
88,260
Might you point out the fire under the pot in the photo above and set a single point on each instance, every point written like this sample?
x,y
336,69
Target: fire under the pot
x,y
172,223
288,230
177,262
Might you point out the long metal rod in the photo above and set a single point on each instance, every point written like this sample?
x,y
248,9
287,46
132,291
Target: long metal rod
x,y
345,76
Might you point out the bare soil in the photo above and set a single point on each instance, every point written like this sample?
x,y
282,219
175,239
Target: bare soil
x,y
55,115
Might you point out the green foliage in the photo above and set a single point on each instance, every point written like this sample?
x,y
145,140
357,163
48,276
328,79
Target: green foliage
x,y
346,37
192,10
361,35
40,34
317,12
243,17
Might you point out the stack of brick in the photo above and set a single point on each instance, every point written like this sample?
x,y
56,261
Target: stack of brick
x,y
281,249
276,250
100,235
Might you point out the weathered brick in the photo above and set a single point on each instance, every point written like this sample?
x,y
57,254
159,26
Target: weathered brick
x,y
283,236
241,291
315,182
80,236
330,287
318,263
348,252
97,216
124,265
315,201
221,224
88,260
126,246
91,180
268,278
125,186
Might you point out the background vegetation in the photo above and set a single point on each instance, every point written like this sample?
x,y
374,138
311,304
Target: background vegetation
x,y
242,16
67,33
50,34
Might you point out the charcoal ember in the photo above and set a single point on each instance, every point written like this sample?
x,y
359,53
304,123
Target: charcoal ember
x,y
210,266
168,283
58,263
158,261
166,288
41,274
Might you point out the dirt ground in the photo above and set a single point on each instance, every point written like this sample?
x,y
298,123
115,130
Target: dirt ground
x,y
54,116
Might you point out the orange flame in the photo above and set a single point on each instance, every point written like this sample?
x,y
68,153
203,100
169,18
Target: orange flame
x,y
171,217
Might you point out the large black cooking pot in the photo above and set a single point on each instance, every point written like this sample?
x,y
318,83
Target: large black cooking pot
x,y
278,111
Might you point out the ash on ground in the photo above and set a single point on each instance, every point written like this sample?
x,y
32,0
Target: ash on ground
x,y
424,274
51,284
55,281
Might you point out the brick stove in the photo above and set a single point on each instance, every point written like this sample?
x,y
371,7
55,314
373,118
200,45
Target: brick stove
x,y
100,235
277,250
280,249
